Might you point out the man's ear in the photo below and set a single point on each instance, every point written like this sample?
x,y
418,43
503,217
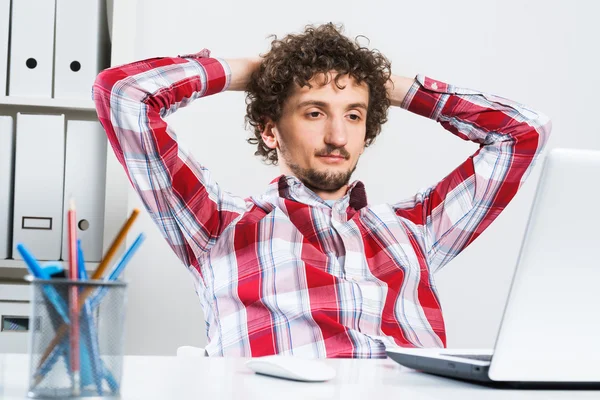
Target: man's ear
x,y
270,135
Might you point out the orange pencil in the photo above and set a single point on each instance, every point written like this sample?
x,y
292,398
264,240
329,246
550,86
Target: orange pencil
x,y
112,250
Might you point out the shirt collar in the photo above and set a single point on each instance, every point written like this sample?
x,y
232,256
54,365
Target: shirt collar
x,y
290,187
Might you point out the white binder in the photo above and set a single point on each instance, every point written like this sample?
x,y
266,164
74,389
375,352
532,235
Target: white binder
x,y
38,199
81,37
31,48
85,183
6,172
4,24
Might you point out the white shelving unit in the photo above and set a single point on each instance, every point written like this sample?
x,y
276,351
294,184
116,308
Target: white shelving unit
x,y
72,109
115,213
116,206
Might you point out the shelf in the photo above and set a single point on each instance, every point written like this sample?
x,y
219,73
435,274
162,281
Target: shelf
x,y
21,264
40,102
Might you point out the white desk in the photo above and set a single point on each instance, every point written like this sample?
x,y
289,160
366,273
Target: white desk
x,y
228,378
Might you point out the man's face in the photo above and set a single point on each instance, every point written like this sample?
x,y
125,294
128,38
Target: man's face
x,y
321,133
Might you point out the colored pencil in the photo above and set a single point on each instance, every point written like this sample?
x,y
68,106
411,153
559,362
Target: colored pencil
x,y
73,295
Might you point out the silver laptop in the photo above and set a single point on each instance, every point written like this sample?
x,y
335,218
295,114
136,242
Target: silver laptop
x,y
550,331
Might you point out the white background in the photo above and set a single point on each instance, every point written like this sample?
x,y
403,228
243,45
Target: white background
x,y
541,53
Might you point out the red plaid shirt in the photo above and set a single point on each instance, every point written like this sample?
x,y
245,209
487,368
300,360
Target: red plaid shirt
x,y
285,272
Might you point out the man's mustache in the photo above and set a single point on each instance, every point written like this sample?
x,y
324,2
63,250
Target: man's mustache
x,y
333,151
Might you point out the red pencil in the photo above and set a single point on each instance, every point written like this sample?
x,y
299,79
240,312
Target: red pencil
x,y
73,300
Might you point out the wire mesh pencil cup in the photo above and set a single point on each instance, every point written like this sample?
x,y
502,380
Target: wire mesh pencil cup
x,y
99,338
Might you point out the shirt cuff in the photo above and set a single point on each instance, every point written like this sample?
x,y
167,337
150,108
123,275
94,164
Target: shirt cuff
x,y
427,97
211,70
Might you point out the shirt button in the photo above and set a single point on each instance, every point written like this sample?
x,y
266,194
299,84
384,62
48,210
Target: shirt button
x,y
434,86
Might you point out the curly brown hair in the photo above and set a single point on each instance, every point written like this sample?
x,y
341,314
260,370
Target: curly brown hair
x,y
296,59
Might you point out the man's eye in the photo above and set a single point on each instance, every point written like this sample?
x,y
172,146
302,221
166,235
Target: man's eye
x,y
314,114
354,117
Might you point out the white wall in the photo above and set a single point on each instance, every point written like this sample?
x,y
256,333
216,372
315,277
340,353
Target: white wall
x,y
542,53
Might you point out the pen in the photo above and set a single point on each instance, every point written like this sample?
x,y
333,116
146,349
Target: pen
x,y
116,272
112,382
47,365
91,334
53,271
120,238
51,294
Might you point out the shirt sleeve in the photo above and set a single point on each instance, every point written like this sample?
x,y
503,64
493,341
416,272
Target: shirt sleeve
x,y
132,100
453,213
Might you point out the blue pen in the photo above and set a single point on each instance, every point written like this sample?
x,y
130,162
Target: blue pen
x,y
91,336
112,382
36,269
45,368
81,272
53,271
116,272
113,276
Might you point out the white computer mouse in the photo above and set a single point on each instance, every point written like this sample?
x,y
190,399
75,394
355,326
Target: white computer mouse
x,y
295,368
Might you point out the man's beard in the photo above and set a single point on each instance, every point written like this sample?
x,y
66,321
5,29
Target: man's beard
x,y
326,181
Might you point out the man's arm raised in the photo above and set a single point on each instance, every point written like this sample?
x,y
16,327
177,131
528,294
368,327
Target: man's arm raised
x,y
450,215
132,100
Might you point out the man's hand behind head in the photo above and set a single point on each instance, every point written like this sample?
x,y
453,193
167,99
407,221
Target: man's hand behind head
x,y
241,70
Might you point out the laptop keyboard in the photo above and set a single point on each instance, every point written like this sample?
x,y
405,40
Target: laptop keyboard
x,y
478,357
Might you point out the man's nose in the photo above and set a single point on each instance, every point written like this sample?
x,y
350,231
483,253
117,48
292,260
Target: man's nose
x,y
336,135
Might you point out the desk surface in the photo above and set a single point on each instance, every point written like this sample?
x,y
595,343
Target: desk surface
x,y
148,377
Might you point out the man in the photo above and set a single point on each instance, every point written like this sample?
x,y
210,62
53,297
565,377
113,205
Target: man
x,y
310,267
